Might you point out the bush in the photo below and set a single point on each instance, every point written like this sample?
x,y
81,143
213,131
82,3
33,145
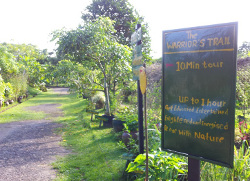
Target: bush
x,y
2,89
243,88
162,166
19,84
8,92
99,100
42,87
32,91
241,171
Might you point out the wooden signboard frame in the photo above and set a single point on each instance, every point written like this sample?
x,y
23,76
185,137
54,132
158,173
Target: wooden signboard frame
x,y
198,92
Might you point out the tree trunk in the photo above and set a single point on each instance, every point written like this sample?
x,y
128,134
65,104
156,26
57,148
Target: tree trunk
x,y
106,92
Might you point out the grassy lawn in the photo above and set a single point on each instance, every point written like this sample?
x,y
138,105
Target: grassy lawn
x,y
96,155
19,112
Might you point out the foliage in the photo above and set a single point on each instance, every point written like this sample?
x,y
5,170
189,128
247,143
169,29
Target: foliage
x,y
121,12
162,166
63,71
245,131
8,92
19,85
154,129
98,99
243,87
32,91
2,88
33,69
49,74
100,52
42,87
125,18
131,147
241,170
8,66
244,50
129,115
23,50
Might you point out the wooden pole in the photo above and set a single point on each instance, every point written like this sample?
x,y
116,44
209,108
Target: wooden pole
x,y
146,133
193,169
140,118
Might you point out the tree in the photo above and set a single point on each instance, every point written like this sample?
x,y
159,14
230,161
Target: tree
x,y
244,50
100,53
8,65
106,54
125,18
71,44
33,69
120,11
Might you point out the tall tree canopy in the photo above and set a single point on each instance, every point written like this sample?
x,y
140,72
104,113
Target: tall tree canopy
x,y
121,11
125,18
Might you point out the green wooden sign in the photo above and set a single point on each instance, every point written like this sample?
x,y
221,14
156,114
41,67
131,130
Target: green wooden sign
x,y
198,104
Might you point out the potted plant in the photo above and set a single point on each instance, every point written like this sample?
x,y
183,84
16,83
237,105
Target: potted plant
x,y
130,126
119,120
118,124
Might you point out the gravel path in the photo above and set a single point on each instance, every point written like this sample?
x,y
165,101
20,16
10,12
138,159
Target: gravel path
x,y
28,148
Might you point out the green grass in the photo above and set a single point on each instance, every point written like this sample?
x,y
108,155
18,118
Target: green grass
x,y
20,112
96,155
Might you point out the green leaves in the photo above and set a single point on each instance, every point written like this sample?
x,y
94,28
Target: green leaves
x,y
243,87
162,166
96,47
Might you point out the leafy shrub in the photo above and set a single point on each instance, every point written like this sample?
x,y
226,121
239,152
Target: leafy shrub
x,y
33,91
2,88
19,84
162,166
8,92
244,130
241,170
243,87
42,87
129,115
99,100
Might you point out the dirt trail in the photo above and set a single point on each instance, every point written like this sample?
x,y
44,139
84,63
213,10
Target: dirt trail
x,y
27,148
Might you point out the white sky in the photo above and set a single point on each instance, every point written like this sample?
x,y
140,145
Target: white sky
x,y
31,21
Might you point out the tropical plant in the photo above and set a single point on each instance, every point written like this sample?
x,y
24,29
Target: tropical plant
x,y
241,170
245,131
162,166
130,116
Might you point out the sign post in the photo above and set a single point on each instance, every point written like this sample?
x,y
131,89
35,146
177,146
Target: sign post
x,y
198,102
136,64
